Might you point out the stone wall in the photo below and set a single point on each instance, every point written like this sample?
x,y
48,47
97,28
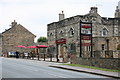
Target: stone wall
x,y
99,41
17,35
106,54
109,63
0,44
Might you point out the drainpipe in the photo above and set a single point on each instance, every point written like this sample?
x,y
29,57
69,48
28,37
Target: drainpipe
x,y
107,40
107,44
56,44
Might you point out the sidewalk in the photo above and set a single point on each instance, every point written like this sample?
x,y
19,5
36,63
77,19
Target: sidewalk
x,y
87,70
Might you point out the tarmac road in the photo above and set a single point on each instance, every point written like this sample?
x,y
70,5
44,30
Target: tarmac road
x,y
21,68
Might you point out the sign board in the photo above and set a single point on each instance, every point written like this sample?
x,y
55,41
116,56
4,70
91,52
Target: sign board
x,y
86,26
61,41
86,44
85,38
86,29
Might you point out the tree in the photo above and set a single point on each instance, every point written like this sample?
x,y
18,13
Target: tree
x,y
42,39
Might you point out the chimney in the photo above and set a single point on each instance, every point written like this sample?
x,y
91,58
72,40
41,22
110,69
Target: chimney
x,y
14,23
61,16
93,10
117,11
119,5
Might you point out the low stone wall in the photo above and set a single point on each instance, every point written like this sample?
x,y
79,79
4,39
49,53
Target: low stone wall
x,y
106,54
109,63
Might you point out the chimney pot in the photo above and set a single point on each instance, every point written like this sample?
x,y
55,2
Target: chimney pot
x,y
14,23
93,10
61,16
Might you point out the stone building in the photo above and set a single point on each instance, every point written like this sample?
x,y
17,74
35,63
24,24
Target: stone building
x,y
0,44
16,35
64,35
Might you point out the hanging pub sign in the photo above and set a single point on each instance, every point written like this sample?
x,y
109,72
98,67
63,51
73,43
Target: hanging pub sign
x,y
86,26
86,29
86,44
61,41
85,37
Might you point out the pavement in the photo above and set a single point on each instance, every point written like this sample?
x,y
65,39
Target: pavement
x,y
88,70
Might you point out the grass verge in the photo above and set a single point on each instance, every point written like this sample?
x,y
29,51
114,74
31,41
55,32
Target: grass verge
x,y
91,67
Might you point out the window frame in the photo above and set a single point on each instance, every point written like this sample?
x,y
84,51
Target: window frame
x,y
104,32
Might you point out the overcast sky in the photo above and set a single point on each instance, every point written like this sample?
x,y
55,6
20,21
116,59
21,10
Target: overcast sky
x,y
34,15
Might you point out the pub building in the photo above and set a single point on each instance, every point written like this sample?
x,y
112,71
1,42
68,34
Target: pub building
x,y
81,35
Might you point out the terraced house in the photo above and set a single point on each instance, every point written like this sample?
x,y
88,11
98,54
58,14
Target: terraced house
x,y
14,36
64,35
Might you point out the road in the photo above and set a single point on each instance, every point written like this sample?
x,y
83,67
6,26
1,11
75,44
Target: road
x,y
21,68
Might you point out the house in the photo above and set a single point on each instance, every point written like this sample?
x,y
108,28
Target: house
x,y
64,35
14,36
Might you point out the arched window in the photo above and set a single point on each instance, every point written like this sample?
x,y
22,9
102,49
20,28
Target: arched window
x,y
104,32
51,34
118,47
61,33
71,32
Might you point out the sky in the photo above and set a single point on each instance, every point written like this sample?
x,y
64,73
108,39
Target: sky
x,y
34,15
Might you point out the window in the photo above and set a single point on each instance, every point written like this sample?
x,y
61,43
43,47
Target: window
x,y
51,34
61,33
72,47
71,32
104,32
88,48
86,30
118,47
103,46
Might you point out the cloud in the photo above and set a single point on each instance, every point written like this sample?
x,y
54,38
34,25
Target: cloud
x,y
36,14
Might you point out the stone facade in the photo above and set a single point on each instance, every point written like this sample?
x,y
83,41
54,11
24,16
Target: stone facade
x,y
100,43
14,36
0,44
102,28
